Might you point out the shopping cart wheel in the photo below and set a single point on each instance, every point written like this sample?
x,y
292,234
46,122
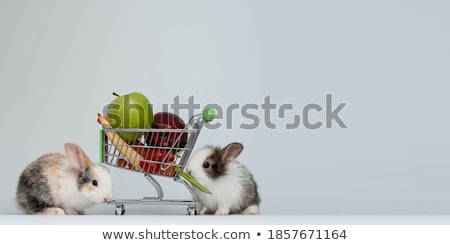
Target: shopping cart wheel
x,y
191,211
120,209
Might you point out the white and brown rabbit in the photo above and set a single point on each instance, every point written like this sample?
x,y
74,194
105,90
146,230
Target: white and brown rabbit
x,y
63,184
231,183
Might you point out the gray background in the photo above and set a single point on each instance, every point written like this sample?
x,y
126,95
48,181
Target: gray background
x,y
389,60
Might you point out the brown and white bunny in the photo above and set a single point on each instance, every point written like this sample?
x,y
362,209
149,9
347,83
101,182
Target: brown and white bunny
x,y
63,184
232,185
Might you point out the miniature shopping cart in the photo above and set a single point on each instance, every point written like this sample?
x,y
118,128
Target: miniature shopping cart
x,y
154,152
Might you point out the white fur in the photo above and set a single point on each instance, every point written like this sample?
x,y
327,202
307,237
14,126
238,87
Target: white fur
x,y
251,210
74,200
227,190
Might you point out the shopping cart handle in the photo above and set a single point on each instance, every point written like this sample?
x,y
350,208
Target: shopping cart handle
x,y
208,114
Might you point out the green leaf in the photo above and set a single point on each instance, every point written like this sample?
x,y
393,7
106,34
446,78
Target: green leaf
x,y
191,180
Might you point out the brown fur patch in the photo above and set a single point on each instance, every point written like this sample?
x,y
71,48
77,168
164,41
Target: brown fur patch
x,y
215,166
86,161
88,187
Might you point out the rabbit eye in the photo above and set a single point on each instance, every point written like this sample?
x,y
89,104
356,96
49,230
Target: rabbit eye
x,y
94,183
206,164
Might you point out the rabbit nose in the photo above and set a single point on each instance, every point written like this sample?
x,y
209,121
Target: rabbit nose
x,y
106,199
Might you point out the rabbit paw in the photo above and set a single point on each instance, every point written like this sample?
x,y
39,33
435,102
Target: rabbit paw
x,y
71,212
53,211
251,210
222,212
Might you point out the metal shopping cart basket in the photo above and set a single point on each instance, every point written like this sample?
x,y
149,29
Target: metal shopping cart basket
x,y
162,152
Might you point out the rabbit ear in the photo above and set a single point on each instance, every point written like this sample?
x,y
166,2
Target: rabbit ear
x,y
76,156
231,152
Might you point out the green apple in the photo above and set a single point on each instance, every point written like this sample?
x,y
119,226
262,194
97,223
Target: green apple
x,y
130,111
